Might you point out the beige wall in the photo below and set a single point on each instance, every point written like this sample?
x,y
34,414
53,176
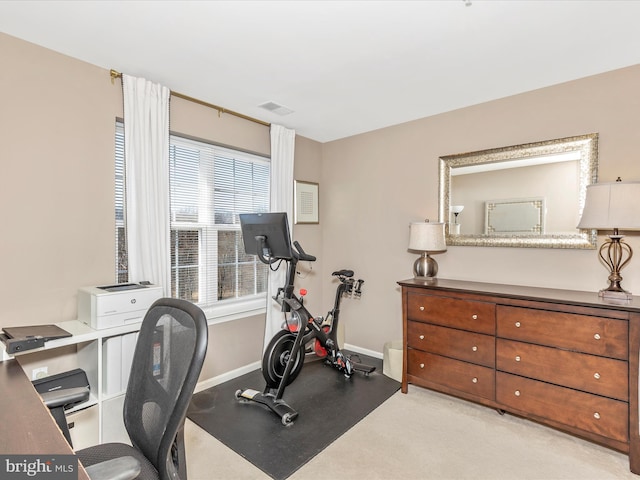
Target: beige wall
x,y
376,183
56,188
57,132
308,167
57,127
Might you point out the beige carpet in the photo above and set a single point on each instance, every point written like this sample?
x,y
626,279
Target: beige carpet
x,y
425,435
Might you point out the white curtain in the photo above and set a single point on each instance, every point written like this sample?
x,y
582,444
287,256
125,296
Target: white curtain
x,y
146,144
282,153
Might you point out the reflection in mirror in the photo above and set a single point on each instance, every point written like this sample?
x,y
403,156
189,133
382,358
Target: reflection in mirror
x,y
528,195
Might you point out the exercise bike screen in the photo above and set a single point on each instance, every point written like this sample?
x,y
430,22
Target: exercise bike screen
x,y
273,226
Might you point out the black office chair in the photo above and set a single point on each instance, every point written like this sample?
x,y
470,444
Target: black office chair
x,y
168,357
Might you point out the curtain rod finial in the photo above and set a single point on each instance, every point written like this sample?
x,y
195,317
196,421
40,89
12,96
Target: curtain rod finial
x,y
114,74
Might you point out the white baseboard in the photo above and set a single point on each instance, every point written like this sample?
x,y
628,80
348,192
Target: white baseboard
x,y
217,380
363,351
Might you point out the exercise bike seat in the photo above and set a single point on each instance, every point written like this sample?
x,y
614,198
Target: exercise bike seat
x,y
343,273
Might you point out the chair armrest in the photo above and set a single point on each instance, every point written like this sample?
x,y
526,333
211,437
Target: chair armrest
x,y
121,468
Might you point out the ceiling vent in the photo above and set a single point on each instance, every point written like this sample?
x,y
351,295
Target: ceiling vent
x,y
276,108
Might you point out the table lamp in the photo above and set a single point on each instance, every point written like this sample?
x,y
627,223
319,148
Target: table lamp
x,y
426,237
613,206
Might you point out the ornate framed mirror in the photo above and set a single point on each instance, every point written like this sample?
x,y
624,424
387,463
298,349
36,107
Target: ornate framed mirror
x,y
529,195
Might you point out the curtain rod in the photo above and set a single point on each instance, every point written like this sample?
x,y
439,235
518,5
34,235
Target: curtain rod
x,y
115,74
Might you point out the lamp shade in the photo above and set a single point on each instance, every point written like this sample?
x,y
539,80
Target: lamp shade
x,y
612,205
427,237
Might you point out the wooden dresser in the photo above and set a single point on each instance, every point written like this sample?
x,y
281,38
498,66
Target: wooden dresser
x,y
563,358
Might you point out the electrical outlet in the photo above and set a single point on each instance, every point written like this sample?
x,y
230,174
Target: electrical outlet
x,y
41,372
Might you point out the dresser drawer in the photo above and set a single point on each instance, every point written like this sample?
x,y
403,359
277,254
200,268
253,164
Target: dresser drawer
x,y
451,373
459,344
452,312
583,333
591,413
602,376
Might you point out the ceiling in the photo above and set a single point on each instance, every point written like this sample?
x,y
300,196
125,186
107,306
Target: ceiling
x,y
343,67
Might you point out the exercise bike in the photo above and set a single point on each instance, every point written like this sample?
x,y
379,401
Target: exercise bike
x,y
267,236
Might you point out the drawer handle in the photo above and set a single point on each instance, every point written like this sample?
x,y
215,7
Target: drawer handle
x,y
421,308
596,416
422,365
474,348
474,379
421,337
474,316
517,324
517,393
596,376
517,358
597,336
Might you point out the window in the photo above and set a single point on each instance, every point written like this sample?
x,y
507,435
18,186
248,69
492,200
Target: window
x,y
209,187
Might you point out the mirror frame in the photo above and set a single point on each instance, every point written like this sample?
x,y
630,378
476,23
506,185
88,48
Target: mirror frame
x,y
587,145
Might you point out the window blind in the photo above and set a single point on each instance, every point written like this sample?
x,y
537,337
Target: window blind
x,y
209,187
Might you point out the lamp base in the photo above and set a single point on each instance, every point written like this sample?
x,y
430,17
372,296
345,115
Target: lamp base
x,y
425,267
614,295
615,254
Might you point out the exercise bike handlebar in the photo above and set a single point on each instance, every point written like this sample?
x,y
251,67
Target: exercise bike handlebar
x,y
301,254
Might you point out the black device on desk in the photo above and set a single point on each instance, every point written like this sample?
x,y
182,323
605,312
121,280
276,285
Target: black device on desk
x,y
62,391
19,339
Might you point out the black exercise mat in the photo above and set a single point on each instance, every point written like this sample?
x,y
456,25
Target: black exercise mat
x,y
328,405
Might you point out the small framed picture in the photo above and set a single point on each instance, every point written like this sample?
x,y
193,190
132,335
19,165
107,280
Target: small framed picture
x,y
306,202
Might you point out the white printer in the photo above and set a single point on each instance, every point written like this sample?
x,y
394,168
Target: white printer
x,y
113,305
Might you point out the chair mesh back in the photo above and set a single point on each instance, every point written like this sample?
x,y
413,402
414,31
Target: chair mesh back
x,y
166,365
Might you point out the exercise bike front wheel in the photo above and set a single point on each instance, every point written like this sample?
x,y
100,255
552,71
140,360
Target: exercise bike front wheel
x,y
276,356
